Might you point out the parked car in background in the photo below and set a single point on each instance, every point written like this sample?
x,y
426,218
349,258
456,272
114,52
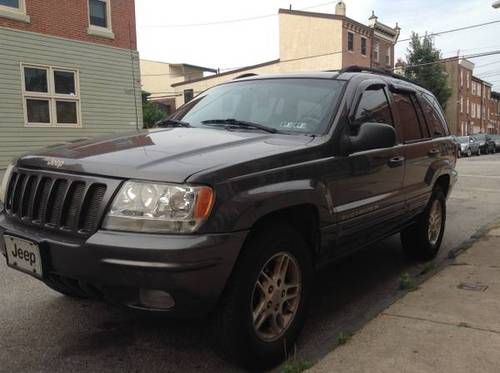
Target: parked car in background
x,y
496,138
468,146
231,206
486,143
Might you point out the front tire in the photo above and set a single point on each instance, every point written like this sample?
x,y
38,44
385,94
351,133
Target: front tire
x,y
422,240
264,307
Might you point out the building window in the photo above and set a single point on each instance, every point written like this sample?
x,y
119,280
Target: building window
x,y
388,57
98,13
363,46
473,112
14,9
11,3
51,96
461,104
376,52
100,18
468,106
461,78
350,41
188,95
468,80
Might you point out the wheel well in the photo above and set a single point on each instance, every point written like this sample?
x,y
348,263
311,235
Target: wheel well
x,y
303,218
443,182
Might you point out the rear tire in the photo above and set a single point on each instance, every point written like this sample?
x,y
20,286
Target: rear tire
x,y
422,240
254,289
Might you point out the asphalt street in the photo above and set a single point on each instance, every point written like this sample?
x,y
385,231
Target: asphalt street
x,y
43,331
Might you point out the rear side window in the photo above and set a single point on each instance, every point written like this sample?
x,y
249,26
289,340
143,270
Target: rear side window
x,y
373,107
408,119
434,116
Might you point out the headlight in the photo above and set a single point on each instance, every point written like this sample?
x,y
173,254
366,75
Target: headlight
x,y
463,146
5,183
159,208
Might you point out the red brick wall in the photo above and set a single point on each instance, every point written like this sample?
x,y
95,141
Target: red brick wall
x,y
69,19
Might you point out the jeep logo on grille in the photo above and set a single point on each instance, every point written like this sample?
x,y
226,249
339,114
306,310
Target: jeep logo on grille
x,y
54,162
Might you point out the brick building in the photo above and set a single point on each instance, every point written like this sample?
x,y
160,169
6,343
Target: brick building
x,y
470,107
311,41
70,70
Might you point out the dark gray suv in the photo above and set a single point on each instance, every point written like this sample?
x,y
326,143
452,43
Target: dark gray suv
x,y
233,202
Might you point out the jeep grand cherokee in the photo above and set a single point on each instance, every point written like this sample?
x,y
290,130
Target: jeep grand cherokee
x,y
233,202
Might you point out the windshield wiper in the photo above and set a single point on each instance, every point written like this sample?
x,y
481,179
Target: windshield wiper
x,y
238,123
172,123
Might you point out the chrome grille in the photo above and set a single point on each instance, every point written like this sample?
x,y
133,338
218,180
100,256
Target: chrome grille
x,y
55,201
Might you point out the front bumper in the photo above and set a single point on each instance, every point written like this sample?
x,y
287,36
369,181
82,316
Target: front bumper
x,y
193,269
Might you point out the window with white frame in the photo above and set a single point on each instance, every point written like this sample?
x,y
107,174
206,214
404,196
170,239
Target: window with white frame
x,y
461,78
468,106
14,9
473,112
51,96
461,104
388,57
468,80
100,14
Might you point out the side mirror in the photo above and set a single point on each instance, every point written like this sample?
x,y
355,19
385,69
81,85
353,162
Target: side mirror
x,y
373,135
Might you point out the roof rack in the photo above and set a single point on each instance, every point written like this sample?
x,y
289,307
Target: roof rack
x,y
247,75
361,69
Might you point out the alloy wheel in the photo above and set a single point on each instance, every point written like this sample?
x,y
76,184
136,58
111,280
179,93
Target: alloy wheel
x,y
276,296
435,222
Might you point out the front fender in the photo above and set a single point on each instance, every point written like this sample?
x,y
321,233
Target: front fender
x,y
246,207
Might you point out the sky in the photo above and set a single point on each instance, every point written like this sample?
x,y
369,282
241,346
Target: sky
x,y
176,31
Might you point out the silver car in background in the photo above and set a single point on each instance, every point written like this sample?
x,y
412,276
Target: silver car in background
x,y
468,146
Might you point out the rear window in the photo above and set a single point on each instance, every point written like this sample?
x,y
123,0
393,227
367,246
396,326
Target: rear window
x,y
434,116
288,105
408,118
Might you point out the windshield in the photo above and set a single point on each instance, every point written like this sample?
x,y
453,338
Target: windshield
x,y
463,140
285,105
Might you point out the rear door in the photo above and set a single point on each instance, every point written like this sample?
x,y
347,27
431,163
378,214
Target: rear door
x,y
367,194
418,145
422,130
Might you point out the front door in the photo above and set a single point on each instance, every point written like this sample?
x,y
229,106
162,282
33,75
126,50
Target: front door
x,y
367,195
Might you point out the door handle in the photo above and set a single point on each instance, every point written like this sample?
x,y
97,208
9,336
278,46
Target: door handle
x,y
434,152
396,161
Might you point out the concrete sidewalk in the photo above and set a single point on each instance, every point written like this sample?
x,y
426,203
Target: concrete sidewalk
x,y
451,323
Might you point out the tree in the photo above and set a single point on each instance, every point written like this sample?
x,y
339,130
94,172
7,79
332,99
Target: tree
x,y
151,112
421,67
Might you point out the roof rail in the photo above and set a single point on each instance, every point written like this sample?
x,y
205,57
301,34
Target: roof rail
x,y
248,75
361,69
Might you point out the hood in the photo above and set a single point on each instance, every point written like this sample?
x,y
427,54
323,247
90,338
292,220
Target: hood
x,y
171,154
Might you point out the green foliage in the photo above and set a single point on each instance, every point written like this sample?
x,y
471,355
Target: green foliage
x,y
295,366
150,111
430,75
343,338
406,282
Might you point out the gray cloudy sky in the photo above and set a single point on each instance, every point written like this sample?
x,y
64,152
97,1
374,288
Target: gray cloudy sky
x,y
170,30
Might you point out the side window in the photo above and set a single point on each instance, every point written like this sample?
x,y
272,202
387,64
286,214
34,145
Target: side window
x,y
373,107
434,117
408,119
439,111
